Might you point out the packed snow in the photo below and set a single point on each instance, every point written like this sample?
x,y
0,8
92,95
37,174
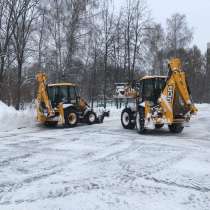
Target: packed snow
x,y
103,166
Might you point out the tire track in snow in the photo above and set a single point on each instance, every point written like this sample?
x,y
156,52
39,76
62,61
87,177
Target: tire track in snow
x,y
12,159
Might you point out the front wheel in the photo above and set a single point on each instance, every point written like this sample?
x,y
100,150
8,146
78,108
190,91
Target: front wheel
x,y
71,118
176,128
127,119
90,118
140,121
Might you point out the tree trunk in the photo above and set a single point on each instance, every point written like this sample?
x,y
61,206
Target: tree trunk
x,y
17,106
1,75
105,75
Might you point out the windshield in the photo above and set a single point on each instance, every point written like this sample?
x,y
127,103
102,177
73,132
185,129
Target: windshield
x,y
148,90
152,89
65,94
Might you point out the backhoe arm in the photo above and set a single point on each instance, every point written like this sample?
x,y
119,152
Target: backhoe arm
x,y
182,88
42,95
176,83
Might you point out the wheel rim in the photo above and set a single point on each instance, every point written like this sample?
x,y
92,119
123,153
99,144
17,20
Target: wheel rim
x,y
72,118
138,122
125,118
92,118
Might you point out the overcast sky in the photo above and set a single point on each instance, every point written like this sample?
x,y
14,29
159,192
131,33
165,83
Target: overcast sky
x,y
197,12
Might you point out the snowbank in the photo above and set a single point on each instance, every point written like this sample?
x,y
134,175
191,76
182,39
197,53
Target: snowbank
x,y
12,119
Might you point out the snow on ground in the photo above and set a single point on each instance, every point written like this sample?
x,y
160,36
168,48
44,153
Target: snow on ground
x,y
11,119
103,167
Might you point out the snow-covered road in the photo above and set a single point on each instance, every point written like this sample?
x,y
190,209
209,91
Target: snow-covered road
x,y
104,167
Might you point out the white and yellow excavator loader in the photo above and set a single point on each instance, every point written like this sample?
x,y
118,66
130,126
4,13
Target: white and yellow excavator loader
x,y
159,100
61,104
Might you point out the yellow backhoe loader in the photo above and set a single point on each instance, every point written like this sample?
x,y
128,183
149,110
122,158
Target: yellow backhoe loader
x,y
159,100
61,104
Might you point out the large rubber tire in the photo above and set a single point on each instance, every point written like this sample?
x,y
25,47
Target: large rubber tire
x,y
159,126
140,121
176,128
127,118
90,118
71,118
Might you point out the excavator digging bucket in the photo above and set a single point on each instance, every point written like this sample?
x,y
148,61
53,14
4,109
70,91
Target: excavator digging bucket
x,y
179,107
41,77
175,64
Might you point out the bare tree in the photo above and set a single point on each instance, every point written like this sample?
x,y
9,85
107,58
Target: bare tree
x,y
21,37
179,35
74,14
137,20
10,11
108,37
41,31
128,34
54,23
118,49
156,45
141,17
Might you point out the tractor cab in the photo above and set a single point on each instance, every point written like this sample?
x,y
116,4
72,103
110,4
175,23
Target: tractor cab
x,y
67,93
150,88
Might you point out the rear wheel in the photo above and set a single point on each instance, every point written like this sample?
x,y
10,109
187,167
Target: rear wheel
x,y
140,121
127,119
90,118
71,118
176,128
